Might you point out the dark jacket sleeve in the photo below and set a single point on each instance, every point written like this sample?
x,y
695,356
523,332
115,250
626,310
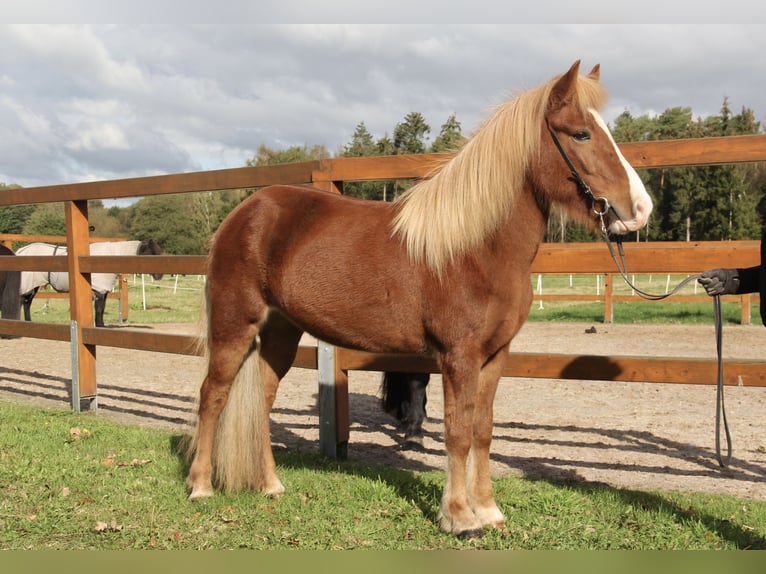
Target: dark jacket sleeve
x,y
749,280
753,279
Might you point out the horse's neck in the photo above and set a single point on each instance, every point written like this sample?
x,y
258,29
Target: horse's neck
x,y
520,234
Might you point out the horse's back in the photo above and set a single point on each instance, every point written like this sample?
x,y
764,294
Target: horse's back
x,y
303,220
326,261
114,247
42,249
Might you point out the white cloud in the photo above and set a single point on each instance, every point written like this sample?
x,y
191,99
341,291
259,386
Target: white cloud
x,y
112,101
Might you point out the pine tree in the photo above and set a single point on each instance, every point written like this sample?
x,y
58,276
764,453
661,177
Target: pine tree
x,y
450,137
409,136
362,143
269,156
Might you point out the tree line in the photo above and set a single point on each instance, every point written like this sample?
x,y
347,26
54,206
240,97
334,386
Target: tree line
x,y
691,204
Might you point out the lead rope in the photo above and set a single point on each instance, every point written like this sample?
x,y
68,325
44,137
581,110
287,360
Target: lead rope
x,y
600,206
720,411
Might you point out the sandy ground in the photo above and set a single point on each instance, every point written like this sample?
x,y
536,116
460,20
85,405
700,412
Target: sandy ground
x,y
631,435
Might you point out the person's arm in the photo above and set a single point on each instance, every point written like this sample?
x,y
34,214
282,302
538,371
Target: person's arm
x,y
730,281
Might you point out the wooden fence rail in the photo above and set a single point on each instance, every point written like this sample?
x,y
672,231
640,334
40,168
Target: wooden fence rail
x,y
333,364
608,298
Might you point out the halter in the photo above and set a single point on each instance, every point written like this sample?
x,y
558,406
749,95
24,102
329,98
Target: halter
x,y
600,206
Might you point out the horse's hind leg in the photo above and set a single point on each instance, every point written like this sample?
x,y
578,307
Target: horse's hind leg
x,y
226,356
279,339
413,429
404,396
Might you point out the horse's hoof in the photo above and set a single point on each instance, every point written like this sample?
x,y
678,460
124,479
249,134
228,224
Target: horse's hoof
x,y
413,443
500,525
200,493
471,534
275,495
275,491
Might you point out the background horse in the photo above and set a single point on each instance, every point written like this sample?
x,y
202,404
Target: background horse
x,y
404,397
444,271
102,283
10,282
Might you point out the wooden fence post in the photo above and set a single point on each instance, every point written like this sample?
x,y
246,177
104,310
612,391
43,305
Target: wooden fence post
x,y
80,304
745,309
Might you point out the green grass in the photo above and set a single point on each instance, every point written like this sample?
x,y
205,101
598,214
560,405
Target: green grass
x,y
75,481
641,312
171,302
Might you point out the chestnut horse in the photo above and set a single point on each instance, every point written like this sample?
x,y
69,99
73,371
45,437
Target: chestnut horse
x,y
443,271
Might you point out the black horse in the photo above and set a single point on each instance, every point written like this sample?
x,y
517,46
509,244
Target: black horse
x,y
404,397
10,282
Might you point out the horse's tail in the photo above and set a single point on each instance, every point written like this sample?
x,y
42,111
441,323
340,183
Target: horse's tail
x,y
238,448
242,426
10,306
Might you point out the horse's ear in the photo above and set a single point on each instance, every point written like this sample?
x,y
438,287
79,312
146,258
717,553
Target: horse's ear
x,y
563,89
595,73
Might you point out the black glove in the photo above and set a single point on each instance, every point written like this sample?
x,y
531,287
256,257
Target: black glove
x,y
720,281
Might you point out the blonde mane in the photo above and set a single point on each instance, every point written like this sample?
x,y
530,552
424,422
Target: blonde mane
x,y
464,201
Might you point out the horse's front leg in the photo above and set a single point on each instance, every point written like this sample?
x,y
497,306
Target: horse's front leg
x,y
460,380
480,496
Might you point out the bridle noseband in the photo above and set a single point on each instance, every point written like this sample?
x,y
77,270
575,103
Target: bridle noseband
x,y
600,206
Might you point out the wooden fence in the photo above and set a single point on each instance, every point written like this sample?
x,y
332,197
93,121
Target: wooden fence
x,y
331,363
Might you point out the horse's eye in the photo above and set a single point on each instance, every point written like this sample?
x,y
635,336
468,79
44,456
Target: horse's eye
x,y
581,136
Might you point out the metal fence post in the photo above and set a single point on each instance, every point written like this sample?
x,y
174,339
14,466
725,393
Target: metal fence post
x,y
333,403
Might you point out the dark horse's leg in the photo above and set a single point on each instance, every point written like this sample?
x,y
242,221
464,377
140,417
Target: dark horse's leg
x,y
26,302
99,303
404,396
11,300
10,282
